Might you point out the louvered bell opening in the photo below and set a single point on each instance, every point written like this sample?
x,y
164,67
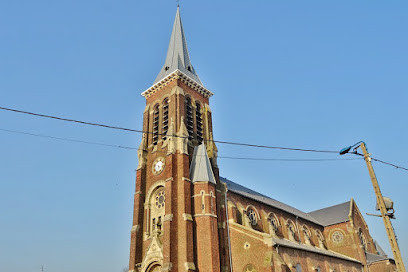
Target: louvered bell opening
x,y
155,139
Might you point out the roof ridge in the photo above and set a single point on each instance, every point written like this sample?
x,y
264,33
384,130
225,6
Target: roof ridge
x,y
336,205
244,191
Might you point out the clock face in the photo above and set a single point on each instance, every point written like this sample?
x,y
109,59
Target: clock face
x,y
158,166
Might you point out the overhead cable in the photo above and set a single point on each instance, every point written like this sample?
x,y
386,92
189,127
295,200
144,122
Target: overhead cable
x,y
149,132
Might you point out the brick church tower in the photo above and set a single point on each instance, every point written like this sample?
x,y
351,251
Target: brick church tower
x,y
179,220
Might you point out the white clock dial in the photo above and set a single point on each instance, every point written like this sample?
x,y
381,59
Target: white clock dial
x,y
158,166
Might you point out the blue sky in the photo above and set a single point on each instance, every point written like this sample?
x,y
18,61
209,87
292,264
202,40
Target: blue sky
x,y
311,74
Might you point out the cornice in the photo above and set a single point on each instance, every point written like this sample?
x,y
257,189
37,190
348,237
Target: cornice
x,y
184,78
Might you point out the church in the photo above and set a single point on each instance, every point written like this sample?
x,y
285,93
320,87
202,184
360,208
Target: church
x,y
188,218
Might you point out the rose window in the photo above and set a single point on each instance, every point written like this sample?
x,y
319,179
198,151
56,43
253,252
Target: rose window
x,y
337,236
160,198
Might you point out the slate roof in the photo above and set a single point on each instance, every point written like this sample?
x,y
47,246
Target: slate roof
x,y
332,215
372,258
296,245
379,249
200,169
241,190
177,54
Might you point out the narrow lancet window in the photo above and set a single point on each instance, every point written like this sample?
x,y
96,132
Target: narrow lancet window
x,y
155,124
165,118
199,123
189,118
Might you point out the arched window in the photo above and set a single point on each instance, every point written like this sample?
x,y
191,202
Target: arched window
x,y
298,268
252,216
320,238
199,122
156,124
157,206
189,117
362,238
165,118
273,223
307,234
291,230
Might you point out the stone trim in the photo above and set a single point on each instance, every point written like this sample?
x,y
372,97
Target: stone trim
x,y
185,179
200,195
205,214
187,217
169,179
250,232
168,217
167,267
189,266
135,228
184,78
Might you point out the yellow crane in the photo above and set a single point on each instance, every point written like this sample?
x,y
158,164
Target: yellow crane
x,y
381,204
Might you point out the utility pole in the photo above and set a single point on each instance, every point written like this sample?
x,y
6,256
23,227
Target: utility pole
x,y
384,214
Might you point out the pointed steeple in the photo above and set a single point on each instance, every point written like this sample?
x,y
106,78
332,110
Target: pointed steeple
x,y
177,54
200,169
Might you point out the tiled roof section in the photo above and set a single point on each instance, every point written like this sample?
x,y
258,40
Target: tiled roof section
x,y
200,169
300,246
379,249
241,190
333,215
177,54
372,258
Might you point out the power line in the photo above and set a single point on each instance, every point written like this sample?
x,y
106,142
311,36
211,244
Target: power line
x,y
149,132
66,139
288,160
134,148
387,163
207,140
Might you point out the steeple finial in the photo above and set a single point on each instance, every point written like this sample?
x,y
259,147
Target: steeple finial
x,y
177,54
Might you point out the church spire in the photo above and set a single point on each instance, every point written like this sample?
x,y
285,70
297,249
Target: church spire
x,y
177,54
